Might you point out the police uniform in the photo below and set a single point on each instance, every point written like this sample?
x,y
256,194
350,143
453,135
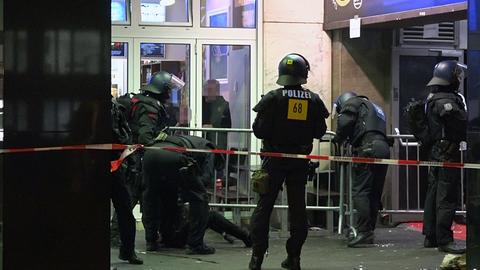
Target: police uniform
x,y
446,115
168,173
447,129
363,124
288,119
149,117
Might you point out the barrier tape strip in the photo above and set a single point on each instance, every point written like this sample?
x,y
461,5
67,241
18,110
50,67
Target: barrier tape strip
x,y
130,149
365,160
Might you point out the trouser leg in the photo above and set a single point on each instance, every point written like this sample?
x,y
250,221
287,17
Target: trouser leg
x,y
260,220
361,190
169,210
430,208
297,211
151,208
379,172
126,220
221,225
446,202
198,217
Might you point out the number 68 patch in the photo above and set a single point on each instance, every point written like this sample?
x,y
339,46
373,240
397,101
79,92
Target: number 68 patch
x,y
297,109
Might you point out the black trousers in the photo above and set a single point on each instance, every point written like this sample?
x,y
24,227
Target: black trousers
x,y
220,224
294,174
126,220
442,194
367,185
164,177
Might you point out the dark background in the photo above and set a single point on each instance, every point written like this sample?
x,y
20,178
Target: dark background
x,y
57,92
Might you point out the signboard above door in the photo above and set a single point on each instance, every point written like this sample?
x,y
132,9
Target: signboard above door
x,y
377,12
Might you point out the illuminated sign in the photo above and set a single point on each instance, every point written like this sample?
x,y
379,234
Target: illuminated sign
x,y
343,10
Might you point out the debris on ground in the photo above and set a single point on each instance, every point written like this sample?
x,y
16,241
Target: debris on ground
x,y
454,262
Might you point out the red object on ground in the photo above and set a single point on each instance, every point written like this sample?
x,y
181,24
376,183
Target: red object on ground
x,y
459,230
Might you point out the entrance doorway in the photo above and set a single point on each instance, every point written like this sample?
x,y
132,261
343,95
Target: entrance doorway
x,y
412,70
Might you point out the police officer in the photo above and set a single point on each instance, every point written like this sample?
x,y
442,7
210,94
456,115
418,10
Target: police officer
x,y
166,172
447,126
148,118
148,113
120,195
287,120
362,123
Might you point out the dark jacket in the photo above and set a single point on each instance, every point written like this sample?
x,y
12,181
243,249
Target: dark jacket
x,y
358,117
148,117
288,119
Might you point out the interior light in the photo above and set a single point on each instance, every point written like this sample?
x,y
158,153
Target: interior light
x,y
166,3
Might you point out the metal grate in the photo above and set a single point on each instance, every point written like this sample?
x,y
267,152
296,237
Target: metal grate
x,y
415,35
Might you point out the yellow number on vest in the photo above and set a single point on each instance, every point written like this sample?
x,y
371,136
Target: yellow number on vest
x,y
297,109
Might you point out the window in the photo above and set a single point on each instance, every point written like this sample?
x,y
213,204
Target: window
x,y
175,59
226,93
119,69
165,11
228,13
120,11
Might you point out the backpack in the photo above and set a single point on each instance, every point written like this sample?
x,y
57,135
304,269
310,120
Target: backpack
x,y
453,110
417,120
121,130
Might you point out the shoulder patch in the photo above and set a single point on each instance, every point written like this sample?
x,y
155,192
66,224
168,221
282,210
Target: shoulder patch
x,y
448,107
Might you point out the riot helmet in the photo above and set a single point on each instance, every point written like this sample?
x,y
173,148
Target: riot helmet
x,y
340,101
447,73
293,70
162,82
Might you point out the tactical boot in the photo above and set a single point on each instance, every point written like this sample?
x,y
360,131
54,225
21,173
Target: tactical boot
x,y
362,239
292,263
452,248
201,250
152,246
428,243
132,258
247,240
255,262
228,238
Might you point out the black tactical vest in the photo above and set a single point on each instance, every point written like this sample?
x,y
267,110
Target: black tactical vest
x,y
447,117
298,117
371,118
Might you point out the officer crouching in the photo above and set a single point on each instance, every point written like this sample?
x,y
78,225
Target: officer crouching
x,y
362,123
287,120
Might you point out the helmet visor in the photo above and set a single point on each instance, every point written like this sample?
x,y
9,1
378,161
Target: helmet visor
x,y
176,82
461,71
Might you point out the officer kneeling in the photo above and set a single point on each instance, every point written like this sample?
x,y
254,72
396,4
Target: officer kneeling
x,y
287,120
362,123
166,173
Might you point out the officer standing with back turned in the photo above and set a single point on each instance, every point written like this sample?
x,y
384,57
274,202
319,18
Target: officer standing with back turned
x,y
446,115
288,119
362,123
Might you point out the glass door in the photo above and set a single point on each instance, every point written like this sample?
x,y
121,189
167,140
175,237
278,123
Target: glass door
x,y
173,56
121,68
225,70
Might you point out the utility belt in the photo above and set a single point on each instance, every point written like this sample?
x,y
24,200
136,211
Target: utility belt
x,y
304,149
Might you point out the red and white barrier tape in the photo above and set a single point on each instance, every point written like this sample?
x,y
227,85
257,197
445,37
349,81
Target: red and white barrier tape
x,y
130,149
329,158
63,148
